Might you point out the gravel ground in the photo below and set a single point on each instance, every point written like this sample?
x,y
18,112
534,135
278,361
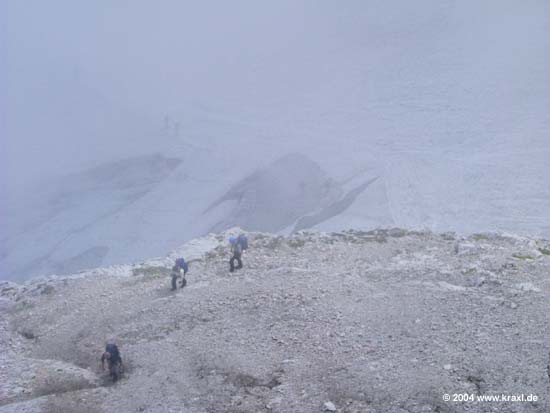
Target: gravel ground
x,y
380,321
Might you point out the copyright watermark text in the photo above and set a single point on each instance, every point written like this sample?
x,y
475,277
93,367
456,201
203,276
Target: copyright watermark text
x,y
470,397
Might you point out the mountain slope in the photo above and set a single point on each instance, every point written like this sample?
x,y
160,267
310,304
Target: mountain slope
x,y
386,320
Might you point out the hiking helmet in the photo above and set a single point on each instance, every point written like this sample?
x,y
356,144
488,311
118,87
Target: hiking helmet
x,y
232,239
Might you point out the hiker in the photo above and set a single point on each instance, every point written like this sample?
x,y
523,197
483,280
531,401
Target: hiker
x,y
179,270
111,355
238,246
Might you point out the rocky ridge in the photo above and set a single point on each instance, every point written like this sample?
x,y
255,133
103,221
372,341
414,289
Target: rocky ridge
x,y
355,321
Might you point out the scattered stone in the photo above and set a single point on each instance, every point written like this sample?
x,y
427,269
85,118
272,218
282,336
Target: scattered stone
x,y
479,281
466,248
397,314
528,286
451,287
329,407
28,334
397,232
448,236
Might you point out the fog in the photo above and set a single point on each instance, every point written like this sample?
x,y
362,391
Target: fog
x,y
445,102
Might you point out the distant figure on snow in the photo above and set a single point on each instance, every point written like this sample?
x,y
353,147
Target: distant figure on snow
x,y
111,355
179,270
238,246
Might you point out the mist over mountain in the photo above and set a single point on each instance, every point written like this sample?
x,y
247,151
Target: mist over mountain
x,y
130,129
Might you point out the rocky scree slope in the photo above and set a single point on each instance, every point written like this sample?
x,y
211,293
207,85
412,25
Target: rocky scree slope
x,y
379,321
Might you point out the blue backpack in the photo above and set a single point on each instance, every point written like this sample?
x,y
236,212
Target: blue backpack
x,y
241,239
112,349
180,262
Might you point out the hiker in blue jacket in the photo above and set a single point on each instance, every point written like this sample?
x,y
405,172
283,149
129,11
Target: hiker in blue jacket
x,y
238,246
111,355
179,269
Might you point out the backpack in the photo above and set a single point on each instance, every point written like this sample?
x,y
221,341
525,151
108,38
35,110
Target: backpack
x,y
243,240
237,248
112,349
180,262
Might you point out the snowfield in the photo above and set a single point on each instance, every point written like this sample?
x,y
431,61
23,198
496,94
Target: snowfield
x,y
153,203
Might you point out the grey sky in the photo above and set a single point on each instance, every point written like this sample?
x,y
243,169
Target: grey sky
x,y
93,81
